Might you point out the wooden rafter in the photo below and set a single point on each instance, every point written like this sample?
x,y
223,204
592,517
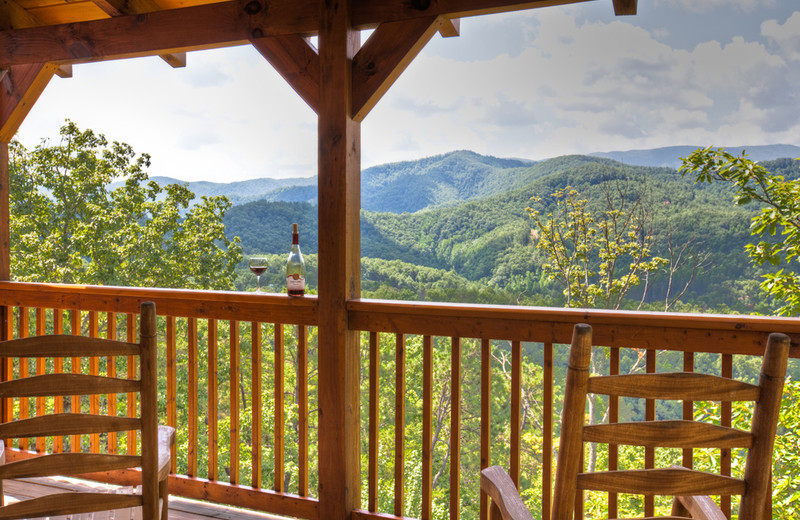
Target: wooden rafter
x,y
296,60
128,7
218,25
14,16
625,7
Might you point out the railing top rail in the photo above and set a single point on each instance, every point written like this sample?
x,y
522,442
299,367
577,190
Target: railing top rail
x,y
226,305
729,334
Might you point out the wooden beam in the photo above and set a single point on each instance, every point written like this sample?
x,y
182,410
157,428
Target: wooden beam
x,y
222,24
64,71
450,27
126,7
625,7
339,184
384,56
19,90
170,31
14,16
368,14
297,61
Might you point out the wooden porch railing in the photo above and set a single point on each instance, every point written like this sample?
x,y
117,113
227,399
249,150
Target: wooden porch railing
x,y
245,402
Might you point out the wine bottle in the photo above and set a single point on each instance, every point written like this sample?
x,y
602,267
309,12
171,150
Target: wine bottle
x,y
295,267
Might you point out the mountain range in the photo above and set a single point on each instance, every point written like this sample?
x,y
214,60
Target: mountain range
x,y
447,179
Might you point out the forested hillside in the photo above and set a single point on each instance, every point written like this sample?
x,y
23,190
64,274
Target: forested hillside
x,y
486,241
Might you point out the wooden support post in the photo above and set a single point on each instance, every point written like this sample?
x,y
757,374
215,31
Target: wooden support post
x,y
5,268
339,265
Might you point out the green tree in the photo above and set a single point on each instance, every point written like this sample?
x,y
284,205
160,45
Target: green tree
x,y
69,225
779,215
597,255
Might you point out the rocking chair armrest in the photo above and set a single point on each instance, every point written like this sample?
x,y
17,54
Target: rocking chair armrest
x,y
700,507
496,483
166,439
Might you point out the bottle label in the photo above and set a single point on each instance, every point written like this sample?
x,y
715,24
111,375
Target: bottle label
x,y
295,282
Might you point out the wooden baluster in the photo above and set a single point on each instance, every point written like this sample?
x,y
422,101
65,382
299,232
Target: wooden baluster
x,y
94,369
613,417
58,368
23,331
75,368
213,396
192,393
427,427
516,410
255,400
455,429
399,424
725,420
302,405
111,371
234,402
278,416
650,415
486,414
130,440
374,418
688,410
172,383
547,432
41,402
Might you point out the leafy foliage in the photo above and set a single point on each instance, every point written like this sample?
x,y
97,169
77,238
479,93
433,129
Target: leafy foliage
x,y
779,215
66,226
597,256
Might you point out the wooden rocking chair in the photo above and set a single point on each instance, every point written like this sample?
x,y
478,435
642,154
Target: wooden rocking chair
x,y
156,441
690,488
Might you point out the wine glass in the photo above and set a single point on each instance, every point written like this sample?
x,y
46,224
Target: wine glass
x,y
258,264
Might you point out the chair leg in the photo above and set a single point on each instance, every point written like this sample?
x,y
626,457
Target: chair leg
x,y
163,493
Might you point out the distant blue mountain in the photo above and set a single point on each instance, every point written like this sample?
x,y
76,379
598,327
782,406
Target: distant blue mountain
x,y
450,179
670,156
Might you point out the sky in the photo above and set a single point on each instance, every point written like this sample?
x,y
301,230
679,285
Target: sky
x,y
530,84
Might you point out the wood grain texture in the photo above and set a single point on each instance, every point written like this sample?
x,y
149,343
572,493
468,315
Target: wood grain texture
x,y
572,417
676,386
339,185
65,385
278,409
384,57
296,60
67,463
700,507
668,434
758,468
65,346
400,424
661,481
20,88
496,483
154,455
374,421
66,424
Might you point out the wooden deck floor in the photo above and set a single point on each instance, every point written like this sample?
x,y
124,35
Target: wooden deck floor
x,y
179,508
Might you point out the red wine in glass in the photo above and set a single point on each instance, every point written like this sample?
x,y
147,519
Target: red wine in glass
x,y
258,265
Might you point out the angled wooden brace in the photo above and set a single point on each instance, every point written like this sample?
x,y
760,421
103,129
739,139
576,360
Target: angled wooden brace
x,y
20,87
386,54
296,60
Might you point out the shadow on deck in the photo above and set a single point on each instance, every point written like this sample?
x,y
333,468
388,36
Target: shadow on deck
x,y
179,508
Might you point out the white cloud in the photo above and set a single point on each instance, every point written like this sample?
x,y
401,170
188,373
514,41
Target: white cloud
x,y
704,6
787,36
529,84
